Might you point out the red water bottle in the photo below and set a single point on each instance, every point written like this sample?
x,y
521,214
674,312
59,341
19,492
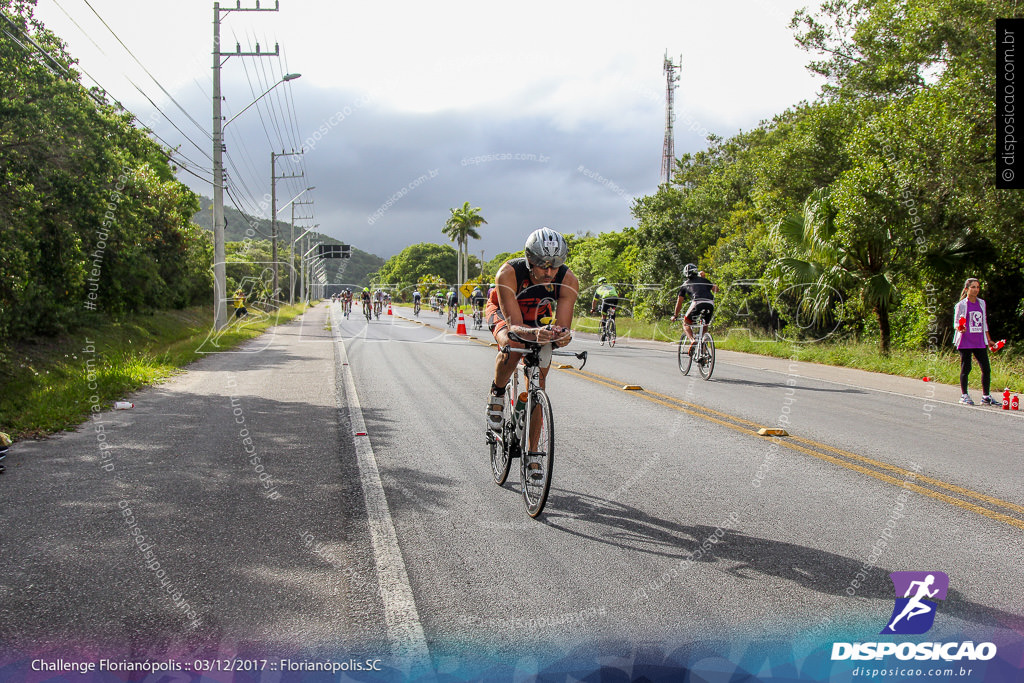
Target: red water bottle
x,y
1006,399
961,324
998,345
1015,402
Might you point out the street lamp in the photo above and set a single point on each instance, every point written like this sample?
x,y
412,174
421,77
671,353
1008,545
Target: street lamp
x,y
291,259
291,252
285,78
220,314
307,272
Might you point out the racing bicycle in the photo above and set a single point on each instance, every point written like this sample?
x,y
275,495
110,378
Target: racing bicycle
x,y
701,351
366,311
608,327
527,433
478,318
416,309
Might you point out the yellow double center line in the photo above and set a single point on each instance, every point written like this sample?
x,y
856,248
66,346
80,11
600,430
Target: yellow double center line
x,y
964,498
980,503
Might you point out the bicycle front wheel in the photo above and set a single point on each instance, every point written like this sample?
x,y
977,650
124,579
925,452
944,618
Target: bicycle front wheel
x,y
706,362
537,463
685,359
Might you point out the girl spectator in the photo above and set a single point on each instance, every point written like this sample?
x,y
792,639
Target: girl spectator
x,y
972,338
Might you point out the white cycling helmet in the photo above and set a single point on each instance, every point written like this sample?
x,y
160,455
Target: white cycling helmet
x,y
546,247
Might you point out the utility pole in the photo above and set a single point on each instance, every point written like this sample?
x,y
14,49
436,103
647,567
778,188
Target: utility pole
x,y
220,314
273,205
291,254
668,151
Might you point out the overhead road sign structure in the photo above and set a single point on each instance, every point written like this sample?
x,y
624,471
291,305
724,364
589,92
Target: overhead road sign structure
x,y
335,251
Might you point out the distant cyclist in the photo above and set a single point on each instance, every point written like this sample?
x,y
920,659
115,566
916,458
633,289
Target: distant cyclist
x,y
702,299
607,297
366,298
478,299
529,291
416,298
453,302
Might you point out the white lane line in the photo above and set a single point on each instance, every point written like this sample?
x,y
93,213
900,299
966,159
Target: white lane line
x,y
401,617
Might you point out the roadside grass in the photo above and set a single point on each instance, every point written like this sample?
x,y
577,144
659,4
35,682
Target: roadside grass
x,y
50,385
1007,368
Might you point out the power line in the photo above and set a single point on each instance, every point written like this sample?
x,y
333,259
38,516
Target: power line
x,y
133,116
164,90
259,111
269,102
291,100
100,101
184,135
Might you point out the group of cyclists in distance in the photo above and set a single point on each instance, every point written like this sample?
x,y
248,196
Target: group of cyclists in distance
x,y
373,303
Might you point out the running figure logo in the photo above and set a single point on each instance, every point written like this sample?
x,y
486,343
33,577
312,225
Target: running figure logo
x,y
914,613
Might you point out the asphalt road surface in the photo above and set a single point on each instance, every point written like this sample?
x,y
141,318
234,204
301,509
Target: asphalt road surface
x,y
327,492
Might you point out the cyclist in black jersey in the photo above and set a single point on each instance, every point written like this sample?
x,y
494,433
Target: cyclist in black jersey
x,y
534,297
702,299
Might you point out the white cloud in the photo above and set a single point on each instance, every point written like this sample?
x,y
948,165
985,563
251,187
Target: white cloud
x,y
573,81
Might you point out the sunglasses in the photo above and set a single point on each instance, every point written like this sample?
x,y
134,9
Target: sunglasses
x,y
546,265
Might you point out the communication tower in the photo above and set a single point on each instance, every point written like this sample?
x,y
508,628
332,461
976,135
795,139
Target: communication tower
x,y
668,152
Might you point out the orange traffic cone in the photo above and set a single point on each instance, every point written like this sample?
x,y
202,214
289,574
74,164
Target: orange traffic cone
x,y
461,329
389,309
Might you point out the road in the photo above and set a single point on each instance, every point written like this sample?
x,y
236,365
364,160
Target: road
x,y
675,535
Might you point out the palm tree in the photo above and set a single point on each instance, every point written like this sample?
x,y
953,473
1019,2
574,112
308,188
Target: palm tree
x,y
460,228
826,263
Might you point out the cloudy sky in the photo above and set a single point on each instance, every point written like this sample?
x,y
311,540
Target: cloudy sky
x,y
541,113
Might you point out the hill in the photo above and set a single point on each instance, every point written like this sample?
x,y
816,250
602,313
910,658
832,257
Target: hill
x,y
355,270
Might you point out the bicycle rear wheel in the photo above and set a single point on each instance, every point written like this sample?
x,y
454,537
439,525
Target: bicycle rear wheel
x,y
501,451
611,332
685,359
537,482
706,362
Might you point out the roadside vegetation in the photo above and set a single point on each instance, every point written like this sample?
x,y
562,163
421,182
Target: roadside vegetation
x,y
50,384
943,367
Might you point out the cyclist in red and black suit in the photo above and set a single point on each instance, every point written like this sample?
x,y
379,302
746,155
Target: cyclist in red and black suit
x,y
534,297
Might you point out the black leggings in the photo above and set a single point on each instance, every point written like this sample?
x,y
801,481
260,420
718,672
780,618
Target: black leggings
x,y
965,368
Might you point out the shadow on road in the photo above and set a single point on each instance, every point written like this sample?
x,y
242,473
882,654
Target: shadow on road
x,y
748,557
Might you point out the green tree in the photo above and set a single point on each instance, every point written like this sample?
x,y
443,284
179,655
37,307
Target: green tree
x,y
461,227
90,213
828,261
417,261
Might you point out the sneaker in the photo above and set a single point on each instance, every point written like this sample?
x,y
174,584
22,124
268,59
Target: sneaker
x,y
495,409
966,400
989,401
